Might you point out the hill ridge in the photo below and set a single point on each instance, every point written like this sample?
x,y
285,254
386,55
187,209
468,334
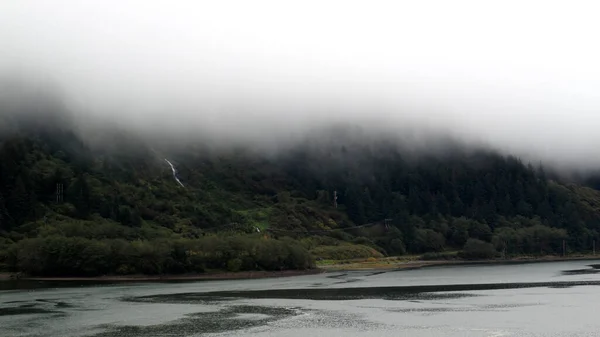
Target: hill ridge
x,y
122,200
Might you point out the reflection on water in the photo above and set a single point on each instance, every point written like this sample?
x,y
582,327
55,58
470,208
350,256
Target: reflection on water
x,y
549,299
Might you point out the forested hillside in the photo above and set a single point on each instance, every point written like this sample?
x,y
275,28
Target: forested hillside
x,y
71,208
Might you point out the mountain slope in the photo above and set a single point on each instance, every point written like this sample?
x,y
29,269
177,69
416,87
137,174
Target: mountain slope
x,y
120,209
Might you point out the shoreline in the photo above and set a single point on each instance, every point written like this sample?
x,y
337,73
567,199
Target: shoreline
x,y
246,275
352,266
418,264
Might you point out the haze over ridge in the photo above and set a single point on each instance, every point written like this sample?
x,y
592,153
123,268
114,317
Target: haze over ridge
x,y
520,76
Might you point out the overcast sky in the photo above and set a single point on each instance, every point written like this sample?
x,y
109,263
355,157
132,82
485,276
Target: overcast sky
x,y
521,75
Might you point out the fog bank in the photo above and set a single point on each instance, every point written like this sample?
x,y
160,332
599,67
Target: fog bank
x,y
521,77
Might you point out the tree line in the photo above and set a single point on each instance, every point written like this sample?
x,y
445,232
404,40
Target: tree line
x,y
116,203
78,256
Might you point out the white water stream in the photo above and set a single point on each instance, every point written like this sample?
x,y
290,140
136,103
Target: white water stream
x,y
174,172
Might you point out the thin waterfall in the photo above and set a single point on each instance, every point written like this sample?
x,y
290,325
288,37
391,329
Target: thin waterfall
x,y
174,172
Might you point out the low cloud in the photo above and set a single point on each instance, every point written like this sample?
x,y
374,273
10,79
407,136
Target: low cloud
x,y
521,77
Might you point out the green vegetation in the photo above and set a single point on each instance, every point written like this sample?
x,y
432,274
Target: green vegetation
x,y
121,212
344,252
478,250
77,256
443,256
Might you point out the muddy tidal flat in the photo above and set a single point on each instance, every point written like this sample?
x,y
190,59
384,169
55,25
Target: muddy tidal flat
x,y
542,299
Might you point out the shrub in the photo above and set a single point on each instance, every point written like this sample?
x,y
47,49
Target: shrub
x,y
234,265
397,247
361,240
340,235
76,256
439,256
428,240
477,249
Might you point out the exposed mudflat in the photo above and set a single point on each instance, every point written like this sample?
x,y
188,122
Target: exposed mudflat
x,y
543,299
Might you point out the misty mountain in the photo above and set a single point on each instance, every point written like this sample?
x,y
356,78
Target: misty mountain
x,y
61,192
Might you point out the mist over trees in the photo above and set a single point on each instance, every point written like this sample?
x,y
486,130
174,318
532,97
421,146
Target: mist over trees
x,y
322,141
71,208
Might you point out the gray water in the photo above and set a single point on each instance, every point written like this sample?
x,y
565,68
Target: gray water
x,y
544,299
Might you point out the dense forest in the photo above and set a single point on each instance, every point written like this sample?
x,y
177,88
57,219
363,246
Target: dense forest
x,y
68,207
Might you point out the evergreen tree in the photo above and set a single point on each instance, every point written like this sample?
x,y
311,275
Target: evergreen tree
x,y
5,220
79,196
354,205
20,201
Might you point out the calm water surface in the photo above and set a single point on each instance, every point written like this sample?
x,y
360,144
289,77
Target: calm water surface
x,y
545,299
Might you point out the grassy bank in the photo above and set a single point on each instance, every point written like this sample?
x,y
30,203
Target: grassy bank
x,y
394,263
420,261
